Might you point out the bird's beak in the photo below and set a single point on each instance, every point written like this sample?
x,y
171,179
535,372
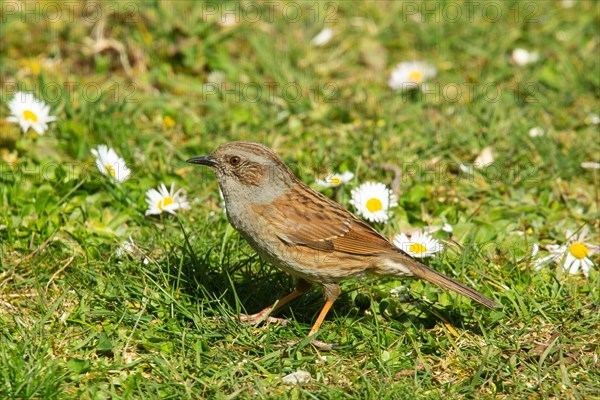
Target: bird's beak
x,y
206,160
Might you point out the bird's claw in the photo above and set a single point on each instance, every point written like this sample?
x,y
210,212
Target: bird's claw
x,y
317,343
259,317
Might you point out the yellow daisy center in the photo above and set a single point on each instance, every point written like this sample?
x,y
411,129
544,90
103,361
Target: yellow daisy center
x,y
417,248
374,205
162,203
30,116
111,170
579,250
168,121
416,76
35,67
335,180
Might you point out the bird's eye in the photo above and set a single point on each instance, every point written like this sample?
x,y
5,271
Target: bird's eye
x,y
235,160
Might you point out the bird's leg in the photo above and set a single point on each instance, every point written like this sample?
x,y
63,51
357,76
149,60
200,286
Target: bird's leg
x,y
322,314
301,287
264,314
332,291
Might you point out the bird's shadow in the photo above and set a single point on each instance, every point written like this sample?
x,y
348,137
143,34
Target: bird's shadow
x,y
250,285
247,284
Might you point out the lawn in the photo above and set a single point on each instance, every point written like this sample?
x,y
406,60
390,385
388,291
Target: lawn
x,y
500,151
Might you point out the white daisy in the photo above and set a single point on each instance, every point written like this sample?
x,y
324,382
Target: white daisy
x,y
372,200
166,200
593,119
535,249
523,57
567,3
447,228
109,163
130,247
410,75
333,180
536,131
419,245
575,254
29,112
555,252
590,165
578,252
228,20
485,158
322,37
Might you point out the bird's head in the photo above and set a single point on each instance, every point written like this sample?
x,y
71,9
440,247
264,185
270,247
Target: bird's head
x,y
247,168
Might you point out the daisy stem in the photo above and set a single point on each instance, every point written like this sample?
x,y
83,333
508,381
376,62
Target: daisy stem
x,y
119,195
336,191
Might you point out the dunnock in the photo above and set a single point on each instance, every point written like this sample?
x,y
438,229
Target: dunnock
x,y
303,232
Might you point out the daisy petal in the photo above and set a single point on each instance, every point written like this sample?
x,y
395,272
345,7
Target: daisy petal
x,y
166,200
373,200
29,112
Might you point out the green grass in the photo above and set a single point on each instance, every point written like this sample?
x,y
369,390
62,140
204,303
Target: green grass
x,y
78,322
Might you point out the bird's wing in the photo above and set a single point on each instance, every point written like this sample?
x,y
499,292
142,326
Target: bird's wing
x,y
307,218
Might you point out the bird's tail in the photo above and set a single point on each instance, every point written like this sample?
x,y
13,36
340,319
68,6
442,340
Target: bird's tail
x,y
424,272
